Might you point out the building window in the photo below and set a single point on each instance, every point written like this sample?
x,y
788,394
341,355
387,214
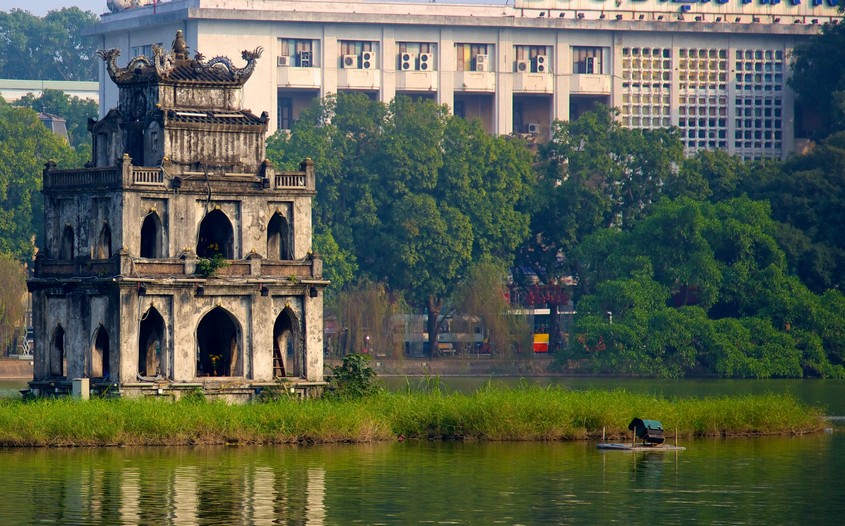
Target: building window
x,y
531,59
285,113
460,109
416,56
356,54
474,57
142,51
297,53
646,87
758,106
588,61
703,98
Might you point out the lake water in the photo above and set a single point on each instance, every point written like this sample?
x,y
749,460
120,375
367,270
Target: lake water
x,y
782,480
791,480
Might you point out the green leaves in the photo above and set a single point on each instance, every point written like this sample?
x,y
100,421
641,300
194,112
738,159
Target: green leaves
x,y
48,48
413,194
25,146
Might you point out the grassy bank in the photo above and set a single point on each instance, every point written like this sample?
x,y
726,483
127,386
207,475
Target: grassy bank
x,y
530,413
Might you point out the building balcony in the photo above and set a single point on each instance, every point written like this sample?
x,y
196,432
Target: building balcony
x,y
533,83
588,84
295,77
483,81
359,79
416,81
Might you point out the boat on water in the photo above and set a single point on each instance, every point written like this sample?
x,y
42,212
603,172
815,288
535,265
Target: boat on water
x,y
650,433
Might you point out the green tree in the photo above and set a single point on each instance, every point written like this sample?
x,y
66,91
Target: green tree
x,y
74,110
818,77
12,298
595,175
48,48
415,194
701,287
25,146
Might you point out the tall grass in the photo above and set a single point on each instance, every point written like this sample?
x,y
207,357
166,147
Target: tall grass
x,y
492,413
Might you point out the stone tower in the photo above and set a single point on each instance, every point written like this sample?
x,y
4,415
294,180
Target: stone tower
x,y
178,258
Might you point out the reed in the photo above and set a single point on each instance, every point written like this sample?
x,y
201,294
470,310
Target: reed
x,y
491,413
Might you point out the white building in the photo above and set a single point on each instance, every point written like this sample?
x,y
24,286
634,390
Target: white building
x,y
717,70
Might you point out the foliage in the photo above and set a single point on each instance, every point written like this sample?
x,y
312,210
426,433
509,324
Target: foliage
x,y
807,195
701,288
12,298
492,413
481,295
206,267
596,174
25,147
411,194
354,378
818,76
48,48
339,265
74,110
366,311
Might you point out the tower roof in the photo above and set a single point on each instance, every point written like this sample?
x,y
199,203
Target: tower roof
x,y
177,67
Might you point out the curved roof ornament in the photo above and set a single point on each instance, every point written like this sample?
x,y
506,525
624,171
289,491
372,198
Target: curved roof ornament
x,y
178,66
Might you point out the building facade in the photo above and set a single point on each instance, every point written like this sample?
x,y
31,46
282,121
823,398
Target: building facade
x,y
178,258
717,70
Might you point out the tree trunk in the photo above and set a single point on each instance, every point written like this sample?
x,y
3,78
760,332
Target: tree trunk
x,y
433,307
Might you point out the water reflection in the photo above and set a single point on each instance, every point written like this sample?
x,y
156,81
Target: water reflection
x,y
778,480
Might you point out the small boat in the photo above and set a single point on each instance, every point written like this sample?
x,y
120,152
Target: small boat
x,y
650,432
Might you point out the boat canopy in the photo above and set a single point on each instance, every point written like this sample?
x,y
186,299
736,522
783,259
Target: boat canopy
x,y
650,431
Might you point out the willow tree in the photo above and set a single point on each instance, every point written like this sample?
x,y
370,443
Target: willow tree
x,y
482,296
12,298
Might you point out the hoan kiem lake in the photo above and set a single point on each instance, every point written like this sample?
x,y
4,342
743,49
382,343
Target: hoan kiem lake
x,y
769,480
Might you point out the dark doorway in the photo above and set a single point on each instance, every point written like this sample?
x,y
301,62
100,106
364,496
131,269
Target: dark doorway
x,y
150,342
104,243
57,356
151,236
218,340
100,354
216,236
66,248
288,357
278,238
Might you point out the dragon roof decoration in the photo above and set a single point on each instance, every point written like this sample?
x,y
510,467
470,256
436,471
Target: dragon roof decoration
x,y
178,66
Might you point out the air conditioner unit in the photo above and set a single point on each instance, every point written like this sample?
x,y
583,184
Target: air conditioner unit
x,y
481,63
540,62
533,128
590,65
350,61
523,66
408,61
283,60
368,60
426,61
305,59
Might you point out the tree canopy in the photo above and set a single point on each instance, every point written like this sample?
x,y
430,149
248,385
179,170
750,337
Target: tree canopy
x,y
25,146
48,48
702,288
412,194
595,174
818,77
74,110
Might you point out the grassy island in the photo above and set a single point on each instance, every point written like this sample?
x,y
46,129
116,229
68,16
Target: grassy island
x,y
492,413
